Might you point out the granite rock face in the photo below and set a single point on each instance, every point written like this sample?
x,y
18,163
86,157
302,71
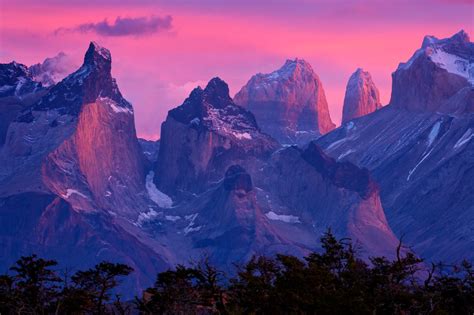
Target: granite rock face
x,y
362,96
289,103
311,188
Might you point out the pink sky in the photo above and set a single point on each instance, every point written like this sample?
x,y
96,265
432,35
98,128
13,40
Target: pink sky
x,y
157,65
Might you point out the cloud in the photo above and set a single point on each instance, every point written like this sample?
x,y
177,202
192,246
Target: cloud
x,y
127,26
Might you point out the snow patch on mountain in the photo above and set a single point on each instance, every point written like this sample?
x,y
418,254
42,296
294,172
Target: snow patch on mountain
x,y
191,228
434,133
161,199
243,135
70,192
466,137
345,154
115,107
172,218
410,173
282,217
454,64
145,217
222,122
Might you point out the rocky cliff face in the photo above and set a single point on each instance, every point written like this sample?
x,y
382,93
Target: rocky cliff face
x,y
289,103
435,73
314,190
204,136
420,152
362,96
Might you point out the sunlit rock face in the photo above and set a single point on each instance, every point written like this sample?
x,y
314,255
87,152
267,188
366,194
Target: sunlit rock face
x,y
289,103
362,96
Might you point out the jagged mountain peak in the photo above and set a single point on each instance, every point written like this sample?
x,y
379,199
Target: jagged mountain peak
x,y
97,65
16,80
289,103
92,81
460,37
218,86
435,73
213,109
10,72
362,96
453,54
216,93
360,77
97,54
210,132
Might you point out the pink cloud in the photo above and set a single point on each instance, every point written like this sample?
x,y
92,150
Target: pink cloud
x,y
127,26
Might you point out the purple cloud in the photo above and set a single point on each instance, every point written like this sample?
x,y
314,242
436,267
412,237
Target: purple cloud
x,y
137,26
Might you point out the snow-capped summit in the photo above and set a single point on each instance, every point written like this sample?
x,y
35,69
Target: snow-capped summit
x,y
289,103
454,54
435,72
362,96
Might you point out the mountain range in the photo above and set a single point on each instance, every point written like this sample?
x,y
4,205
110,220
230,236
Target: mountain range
x,y
264,172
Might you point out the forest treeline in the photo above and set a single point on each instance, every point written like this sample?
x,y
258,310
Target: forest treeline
x,y
333,281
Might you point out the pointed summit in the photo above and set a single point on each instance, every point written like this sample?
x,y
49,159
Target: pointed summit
x,y
97,55
93,80
362,96
210,106
217,93
289,103
462,36
217,85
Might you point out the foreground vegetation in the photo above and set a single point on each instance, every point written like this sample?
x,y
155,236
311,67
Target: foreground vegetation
x,y
334,281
